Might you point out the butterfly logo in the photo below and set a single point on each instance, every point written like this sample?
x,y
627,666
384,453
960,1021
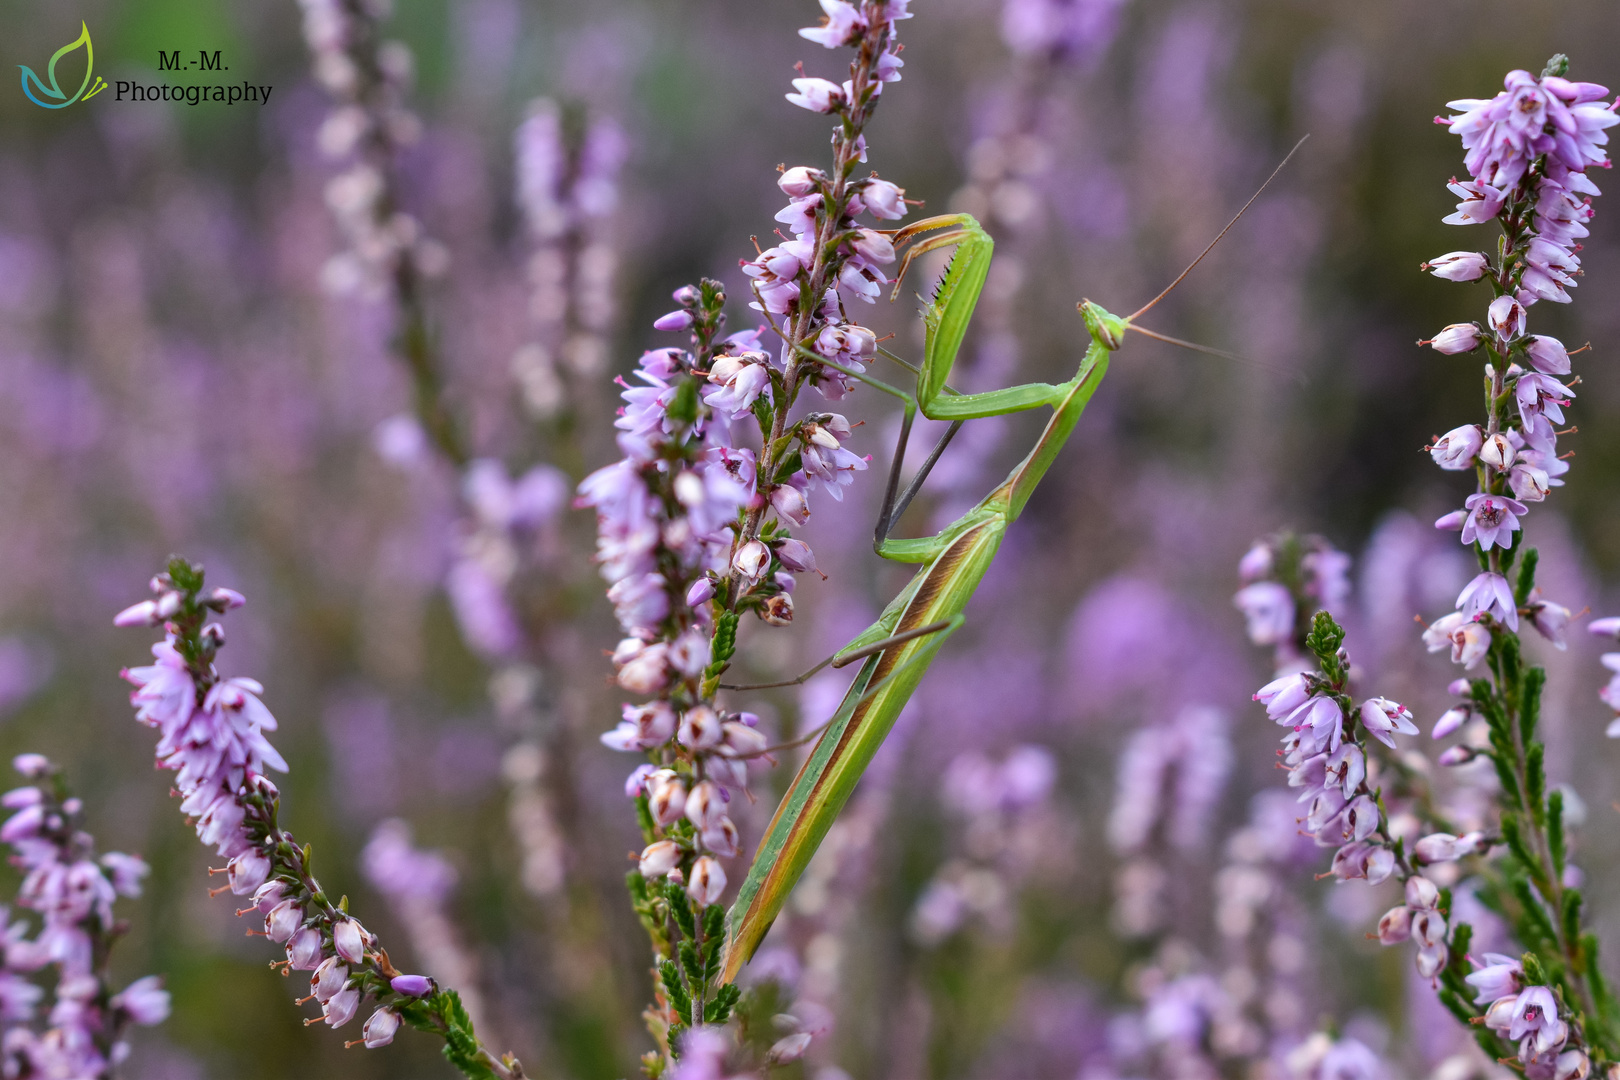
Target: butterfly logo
x,y
55,97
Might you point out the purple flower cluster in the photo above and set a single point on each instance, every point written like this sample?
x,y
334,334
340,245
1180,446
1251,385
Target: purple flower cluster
x,y
1274,608
367,129
1529,1016
1528,151
693,526
1610,694
567,194
72,892
1326,754
212,738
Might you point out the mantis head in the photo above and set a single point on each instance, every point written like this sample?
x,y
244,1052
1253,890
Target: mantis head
x,y
1107,329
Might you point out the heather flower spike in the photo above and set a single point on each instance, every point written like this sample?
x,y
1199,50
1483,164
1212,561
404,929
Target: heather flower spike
x,y
1527,152
212,737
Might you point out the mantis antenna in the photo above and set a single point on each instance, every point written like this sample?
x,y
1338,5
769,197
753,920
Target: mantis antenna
x,y
1296,376
1223,232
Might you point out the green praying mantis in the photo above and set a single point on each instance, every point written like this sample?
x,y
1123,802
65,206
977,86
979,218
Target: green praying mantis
x,y
898,648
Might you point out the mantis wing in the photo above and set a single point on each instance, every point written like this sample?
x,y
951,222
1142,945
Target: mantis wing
x,y
869,709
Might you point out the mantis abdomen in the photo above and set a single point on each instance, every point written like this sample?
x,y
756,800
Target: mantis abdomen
x,y
827,779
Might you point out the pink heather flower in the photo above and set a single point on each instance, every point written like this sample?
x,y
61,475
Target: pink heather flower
x,y
1480,202
1269,609
1282,696
1535,1013
751,560
636,783
342,1007
817,95
675,320
884,200
247,872
740,380
328,979
666,797
1395,926
721,838
700,729
1506,318
1383,717
1467,639
705,805
1456,449
1538,393
795,555
144,1001
1456,338
349,940
283,921
659,858
843,25
1452,719
1323,717
1547,354
1497,451
1492,520
1489,594
1611,693
1550,619
1606,627
1496,978
1256,563
1361,860
790,503
141,614
1528,483
380,1028
801,180
1458,266
707,881
304,950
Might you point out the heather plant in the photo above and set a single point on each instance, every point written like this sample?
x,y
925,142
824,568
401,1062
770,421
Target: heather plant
x,y
1547,1009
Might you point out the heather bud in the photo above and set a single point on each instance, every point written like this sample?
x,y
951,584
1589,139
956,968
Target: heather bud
x,y
304,951
800,181
283,921
667,797
1395,926
751,560
1506,317
1421,893
412,985
349,939
705,806
707,881
380,1029
1456,338
675,320
1458,266
1547,354
700,728
1497,452
659,858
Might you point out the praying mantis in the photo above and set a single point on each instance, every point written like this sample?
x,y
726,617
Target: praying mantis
x,y
898,648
